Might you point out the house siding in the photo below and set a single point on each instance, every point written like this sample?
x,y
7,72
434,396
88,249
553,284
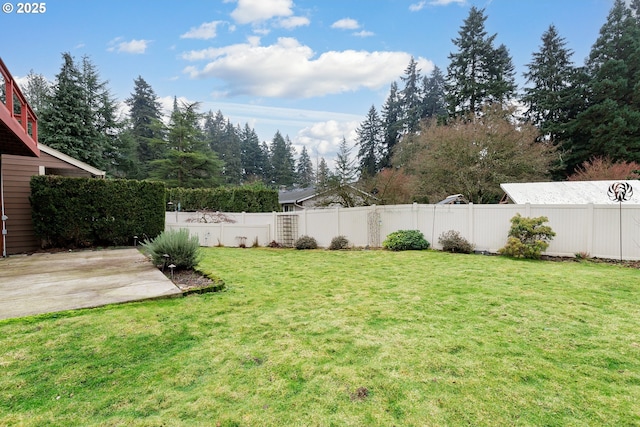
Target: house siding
x,y
17,172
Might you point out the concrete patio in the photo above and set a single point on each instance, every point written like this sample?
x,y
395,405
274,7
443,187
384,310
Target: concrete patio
x,y
51,282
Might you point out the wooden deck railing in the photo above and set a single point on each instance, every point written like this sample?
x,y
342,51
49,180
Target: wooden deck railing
x,y
18,107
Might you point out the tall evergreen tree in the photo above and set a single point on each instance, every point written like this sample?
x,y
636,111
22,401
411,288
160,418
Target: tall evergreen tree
x,y
434,103
37,90
282,163
370,140
251,156
502,84
225,140
304,169
345,170
146,128
323,175
231,155
550,75
478,73
610,124
103,146
392,124
410,98
63,122
189,162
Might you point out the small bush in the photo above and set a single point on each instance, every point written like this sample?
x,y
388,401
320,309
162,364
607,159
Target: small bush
x,y
528,237
306,242
405,240
183,250
339,242
274,244
452,241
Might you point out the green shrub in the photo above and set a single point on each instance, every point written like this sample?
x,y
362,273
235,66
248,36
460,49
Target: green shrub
x,y
183,250
247,198
452,241
80,212
338,243
528,237
306,242
405,240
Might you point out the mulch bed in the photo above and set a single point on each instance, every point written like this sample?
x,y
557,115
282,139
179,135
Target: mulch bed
x,y
191,281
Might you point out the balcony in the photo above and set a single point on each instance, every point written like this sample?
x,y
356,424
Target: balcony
x,y
18,122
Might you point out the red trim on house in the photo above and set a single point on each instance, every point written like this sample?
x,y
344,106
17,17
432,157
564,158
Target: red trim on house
x,y
18,122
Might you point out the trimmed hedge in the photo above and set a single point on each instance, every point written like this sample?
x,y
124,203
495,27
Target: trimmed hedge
x,y
85,212
248,198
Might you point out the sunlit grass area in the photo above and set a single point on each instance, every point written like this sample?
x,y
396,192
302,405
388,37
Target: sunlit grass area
x,y
342,338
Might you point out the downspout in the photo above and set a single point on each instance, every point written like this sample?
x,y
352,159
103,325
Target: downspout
x,y
2,215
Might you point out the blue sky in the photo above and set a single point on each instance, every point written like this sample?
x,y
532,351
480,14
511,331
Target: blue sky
x,y
309,68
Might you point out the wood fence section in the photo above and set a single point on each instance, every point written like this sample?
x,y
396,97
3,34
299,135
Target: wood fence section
x,y
592,229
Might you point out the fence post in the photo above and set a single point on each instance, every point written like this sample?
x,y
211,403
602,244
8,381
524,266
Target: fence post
x,y
338,221
471,220
274,222
590,227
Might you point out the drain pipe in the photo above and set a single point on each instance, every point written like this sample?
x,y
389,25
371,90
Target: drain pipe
x,y
2,215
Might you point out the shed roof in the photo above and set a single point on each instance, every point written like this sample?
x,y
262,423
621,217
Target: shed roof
x,y
70,160
566,192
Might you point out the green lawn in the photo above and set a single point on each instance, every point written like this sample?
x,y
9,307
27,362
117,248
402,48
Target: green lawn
x,y
359,338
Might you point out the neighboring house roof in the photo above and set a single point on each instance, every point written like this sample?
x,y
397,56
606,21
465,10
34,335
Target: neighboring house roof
x,y
297,195
566,192
74,162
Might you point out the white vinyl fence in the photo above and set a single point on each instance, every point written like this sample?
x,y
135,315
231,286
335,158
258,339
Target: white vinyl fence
x,y
592,229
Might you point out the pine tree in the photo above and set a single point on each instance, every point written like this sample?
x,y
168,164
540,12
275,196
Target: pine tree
x,y
434,103
478,73
392,124
410,98
282,163
550,74
304,169
251,156
323,175
370,140
63,122
345,170
610,124
37,90
188,162
502,86
104,147
146,128
231,155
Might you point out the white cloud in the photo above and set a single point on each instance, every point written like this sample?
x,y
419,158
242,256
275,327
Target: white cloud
x,y
255,11
346,24
417,6
132,46
363,33
205,31
446,2
293,22
323,139
292,70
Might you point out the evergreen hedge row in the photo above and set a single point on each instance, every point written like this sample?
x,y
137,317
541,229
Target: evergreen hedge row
x,y
249,198
84,212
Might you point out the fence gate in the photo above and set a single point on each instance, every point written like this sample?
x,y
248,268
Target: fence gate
x,y
287,230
